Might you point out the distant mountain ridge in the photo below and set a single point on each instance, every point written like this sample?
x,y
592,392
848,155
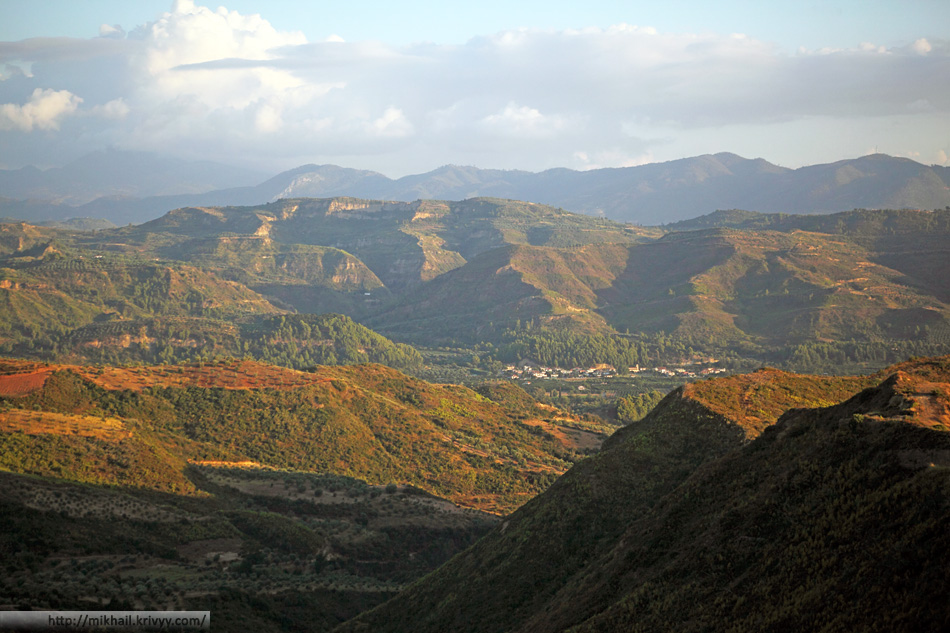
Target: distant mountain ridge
x,y
652,194
115,173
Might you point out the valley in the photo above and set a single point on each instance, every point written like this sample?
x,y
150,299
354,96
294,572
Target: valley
x,y
296,412
598,317
754,500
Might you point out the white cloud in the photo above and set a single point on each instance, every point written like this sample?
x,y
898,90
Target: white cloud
x,y
522,122
868,47
221,84
44,111
15,70
268,118
392,123
112,31
174,47
922,46
115,109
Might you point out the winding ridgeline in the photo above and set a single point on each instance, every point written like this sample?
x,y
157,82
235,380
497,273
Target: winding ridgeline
x,y
711,515
123,187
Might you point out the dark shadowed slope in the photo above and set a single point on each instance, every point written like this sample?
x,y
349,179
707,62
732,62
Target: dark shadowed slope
x,y
514,575
834,519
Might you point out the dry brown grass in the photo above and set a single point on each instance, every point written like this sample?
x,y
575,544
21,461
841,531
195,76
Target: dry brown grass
x,y
21,378
49,423
224,464
573,439
756,400
230,375
925,403
23,384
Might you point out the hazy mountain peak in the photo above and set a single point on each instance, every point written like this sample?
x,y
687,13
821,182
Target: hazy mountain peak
x,y
114,172
651,194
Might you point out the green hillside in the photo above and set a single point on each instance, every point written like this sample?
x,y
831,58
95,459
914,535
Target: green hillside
x,y
513,280
770,287
298,341
274,497
313,256
912,242
683,523
494,291
20,237
804,299
366,421
62,300
52,288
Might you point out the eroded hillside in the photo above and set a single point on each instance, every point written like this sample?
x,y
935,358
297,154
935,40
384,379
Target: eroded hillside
x,y
854,290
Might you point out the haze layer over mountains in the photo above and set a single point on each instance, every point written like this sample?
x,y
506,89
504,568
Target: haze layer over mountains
x,y
125,187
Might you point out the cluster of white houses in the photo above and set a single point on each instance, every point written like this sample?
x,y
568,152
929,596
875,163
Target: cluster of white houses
x,y
528,371
681,371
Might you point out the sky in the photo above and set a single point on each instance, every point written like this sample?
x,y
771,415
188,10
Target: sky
x,y
406,87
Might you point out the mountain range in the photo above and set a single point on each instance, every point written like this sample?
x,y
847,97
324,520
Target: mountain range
x,y
135,187
120,174
855,289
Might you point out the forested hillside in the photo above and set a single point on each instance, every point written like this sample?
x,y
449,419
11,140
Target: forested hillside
x,y
509,280
368,421
711,516
802,298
